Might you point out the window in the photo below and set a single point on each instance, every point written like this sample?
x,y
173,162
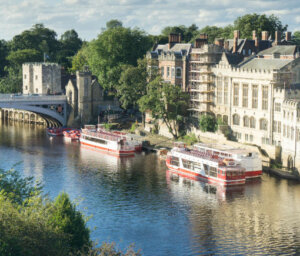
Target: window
x,y
36,90
178,72
254,96
277,107
284,130
70,97
265,97
275,126
26,87
245,95
168,71
225,90
162,71
235,94
279,127
86,88
251,138
246,137
252,122
219,90
246,121
263,124
236,119
244,52
287,131
173,72
25,76
249,51
36,77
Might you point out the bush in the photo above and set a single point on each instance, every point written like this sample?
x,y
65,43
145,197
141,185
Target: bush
x,y
133,127
190,139
208,123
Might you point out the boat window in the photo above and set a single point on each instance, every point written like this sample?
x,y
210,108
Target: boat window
x,y
175,161
206,168
97,140
213,171
187,164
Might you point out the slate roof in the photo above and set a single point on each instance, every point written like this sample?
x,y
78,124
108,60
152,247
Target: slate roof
x,y
233,59
263,44
280,49
176,48
267,64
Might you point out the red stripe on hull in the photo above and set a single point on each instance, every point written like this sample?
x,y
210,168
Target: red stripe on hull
x,y
253,174
210,179
113,151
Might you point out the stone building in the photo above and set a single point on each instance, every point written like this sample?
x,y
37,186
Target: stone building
x,y
84,96
41,78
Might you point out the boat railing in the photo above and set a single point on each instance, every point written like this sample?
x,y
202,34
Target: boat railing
x,y
101,135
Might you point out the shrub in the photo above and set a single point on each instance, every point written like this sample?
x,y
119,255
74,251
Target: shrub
x,y
207,123
190,139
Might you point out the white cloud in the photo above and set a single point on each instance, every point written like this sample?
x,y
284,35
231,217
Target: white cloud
x,y
87,17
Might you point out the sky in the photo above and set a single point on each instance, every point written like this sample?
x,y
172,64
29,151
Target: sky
x,y
87,17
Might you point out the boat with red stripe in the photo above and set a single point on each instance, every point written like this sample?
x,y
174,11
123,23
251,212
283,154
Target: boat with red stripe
x,y
247,159
211,168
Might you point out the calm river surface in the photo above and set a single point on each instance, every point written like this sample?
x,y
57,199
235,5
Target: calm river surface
x,y
134,200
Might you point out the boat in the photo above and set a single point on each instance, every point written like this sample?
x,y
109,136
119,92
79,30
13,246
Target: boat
x,y
106,141
72,135
57,131
247,159
211,168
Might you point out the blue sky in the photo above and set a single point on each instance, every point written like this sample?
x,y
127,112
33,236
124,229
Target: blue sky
x,y
87,17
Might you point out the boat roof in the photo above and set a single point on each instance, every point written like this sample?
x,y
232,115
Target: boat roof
x,y
224,148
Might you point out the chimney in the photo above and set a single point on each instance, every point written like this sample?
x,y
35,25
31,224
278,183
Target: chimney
x,y
235,43
277,37
264,35
174,39
236,34
257,43
254,36
288,36
220,42
202,40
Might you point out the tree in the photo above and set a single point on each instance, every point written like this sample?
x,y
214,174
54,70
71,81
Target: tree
x,y
112,49
208,123
132,84
259,22
3,54
166,102
114,24
18,57
187,33
296,37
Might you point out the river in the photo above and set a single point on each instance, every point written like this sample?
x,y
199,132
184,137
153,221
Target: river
x,y
134,200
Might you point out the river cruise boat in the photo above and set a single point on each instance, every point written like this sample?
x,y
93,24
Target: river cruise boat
x,y
72,135
57,131
106,141
202,166
249,160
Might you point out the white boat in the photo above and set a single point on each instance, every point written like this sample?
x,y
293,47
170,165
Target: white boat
x,y
247,159
194,164
106,141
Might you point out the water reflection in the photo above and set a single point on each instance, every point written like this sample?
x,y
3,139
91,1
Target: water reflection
x,y
136,200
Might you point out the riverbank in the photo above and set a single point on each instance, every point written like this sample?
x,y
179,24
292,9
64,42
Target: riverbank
x,y
281,173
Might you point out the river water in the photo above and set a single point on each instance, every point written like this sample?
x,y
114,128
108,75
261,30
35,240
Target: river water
x,y
134,200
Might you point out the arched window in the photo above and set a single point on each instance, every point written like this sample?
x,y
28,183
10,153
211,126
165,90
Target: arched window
x,y
70,97
246,121
236,119
225,119
178,72
252,122
263,124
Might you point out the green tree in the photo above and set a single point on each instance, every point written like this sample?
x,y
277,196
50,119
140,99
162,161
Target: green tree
x,y
296,37
18,57
166,102
132,84
114,24
208,123
187,33
70,221
112,49
259,22
4,51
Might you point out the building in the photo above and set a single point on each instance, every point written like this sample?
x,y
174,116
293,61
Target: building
x,y
41,78
84,96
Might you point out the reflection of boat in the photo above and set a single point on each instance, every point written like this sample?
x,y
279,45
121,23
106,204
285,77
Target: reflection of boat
x,y
106,141
194,186
211,168
57,131
249,160
72,135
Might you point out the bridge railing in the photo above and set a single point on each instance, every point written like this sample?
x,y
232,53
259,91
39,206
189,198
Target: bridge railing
x,y
39,97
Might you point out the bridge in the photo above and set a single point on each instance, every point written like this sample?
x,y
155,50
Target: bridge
x,y
51,106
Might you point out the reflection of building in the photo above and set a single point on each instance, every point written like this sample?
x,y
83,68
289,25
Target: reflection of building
x,y
41,78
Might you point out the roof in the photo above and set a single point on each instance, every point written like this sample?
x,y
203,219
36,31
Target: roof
x,y
233,59
263,44
176,48
267,64
280,49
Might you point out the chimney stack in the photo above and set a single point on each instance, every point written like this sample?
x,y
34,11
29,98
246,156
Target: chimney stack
x,y
220,42
288,36
254,36
277,37
174,39
236,34
257,44
202,40
264,35
235,43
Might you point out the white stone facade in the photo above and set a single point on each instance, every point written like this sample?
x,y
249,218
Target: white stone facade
x,y
41,78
